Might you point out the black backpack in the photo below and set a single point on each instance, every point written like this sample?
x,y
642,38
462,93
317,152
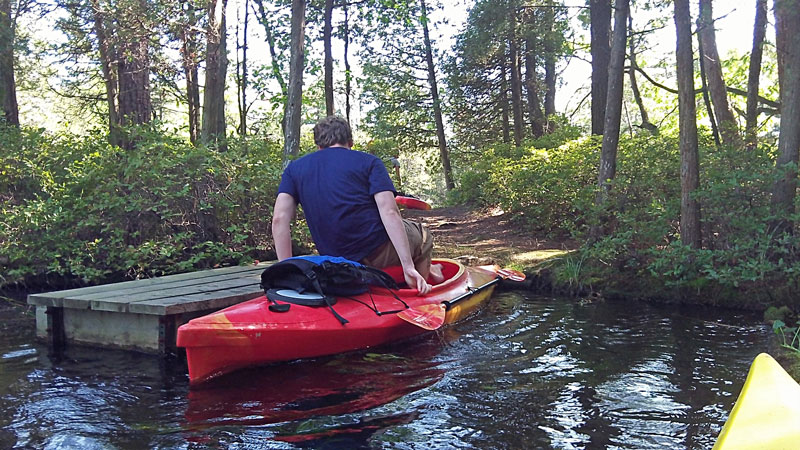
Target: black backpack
x,y
319,280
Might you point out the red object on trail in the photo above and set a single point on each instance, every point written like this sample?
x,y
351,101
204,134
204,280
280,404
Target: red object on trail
x,y
411,202
249,333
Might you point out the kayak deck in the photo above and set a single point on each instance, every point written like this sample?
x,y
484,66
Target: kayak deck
x,y
767,413
250,334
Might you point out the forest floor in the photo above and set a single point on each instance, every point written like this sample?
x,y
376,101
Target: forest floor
x,y
478,237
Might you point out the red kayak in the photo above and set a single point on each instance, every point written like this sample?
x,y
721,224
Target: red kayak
x,y
411,202
250,334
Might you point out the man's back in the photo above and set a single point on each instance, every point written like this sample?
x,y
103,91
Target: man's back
x,y
336,186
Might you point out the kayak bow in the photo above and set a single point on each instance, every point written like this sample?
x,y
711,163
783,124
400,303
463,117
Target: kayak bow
x,y
766,415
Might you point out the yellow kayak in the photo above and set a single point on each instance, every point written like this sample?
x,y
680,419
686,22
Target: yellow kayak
x,y
767,413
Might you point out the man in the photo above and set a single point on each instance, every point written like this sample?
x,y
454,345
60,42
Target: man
x,y
348,201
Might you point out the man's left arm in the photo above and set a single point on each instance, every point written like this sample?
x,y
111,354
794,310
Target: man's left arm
x,y
282,215
393,223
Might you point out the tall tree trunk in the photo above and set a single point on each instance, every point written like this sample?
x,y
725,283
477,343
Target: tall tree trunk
x,y
241,72
637,96
690,161
716,84
516,84
8,85
276,68
294,99
108,66
616,77
437,105
214,133
506,124
550,63
759,34
347,73
704,89
190,48
534,110
600,17
133,67
328,63
787,22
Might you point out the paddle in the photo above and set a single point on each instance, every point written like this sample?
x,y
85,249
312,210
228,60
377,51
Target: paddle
x,y
431,316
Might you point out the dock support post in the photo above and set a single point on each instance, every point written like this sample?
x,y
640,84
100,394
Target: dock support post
x,y
55,327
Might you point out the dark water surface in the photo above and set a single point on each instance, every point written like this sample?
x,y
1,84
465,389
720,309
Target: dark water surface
x,y
528,372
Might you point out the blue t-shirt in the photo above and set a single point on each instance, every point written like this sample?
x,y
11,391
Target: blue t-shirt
x,y
336,186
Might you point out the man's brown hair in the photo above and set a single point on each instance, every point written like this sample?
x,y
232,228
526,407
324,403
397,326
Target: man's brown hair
x,y
332,130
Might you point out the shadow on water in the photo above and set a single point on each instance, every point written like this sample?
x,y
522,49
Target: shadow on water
x,y
528,372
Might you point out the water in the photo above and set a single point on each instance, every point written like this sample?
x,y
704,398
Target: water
x,y
528,372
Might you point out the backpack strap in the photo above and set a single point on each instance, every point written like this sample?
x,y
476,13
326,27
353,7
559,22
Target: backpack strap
x,y
312,276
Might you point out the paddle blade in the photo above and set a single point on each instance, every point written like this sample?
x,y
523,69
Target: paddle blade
x,y
429,317
511,274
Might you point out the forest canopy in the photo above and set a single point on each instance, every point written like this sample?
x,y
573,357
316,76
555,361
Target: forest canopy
x,y
142,137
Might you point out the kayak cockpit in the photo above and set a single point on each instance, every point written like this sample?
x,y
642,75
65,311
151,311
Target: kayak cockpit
x,y
451,270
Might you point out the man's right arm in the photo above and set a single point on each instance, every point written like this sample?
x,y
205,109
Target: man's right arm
x,y
282,216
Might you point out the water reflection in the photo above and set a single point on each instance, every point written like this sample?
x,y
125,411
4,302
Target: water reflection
x,y
528,372
333,386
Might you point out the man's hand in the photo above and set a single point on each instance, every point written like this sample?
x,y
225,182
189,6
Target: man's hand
x,y
414,279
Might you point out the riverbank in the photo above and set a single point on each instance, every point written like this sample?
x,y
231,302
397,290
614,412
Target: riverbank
x,y
493,237
487,237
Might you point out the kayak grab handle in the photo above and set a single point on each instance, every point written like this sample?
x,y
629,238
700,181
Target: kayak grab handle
x,y
471,291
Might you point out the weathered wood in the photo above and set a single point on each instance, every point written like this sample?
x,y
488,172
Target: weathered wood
x,y
143,314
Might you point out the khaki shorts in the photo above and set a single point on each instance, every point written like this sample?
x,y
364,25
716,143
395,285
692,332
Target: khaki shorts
x,y
419,239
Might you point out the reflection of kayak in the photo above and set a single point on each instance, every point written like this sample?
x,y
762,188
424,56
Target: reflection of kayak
x,y
411,202
339,385
249,334
767,413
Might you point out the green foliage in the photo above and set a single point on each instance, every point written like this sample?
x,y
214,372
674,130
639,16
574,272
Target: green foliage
x,y
552,189
790,336
77,207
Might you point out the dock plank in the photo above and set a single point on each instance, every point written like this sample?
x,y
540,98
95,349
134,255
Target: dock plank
x,y
170,289
116,290
210,300
174,295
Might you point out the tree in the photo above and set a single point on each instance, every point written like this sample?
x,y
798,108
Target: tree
x,y
328,60
348,75
754,73
107,51
294,99
537,119
478,77
188,34
8,87
690,166
241,71
600,17
135,106
514,69
637,96
274,39
554,38
787,41
216,70
713,68
616,76
444,154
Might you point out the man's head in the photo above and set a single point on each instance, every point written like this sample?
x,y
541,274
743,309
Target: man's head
x,y
332,130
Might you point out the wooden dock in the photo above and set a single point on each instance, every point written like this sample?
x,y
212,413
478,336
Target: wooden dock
x,y
142,315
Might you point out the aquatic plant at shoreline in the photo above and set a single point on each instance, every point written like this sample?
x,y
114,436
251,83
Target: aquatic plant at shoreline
x,y
783,331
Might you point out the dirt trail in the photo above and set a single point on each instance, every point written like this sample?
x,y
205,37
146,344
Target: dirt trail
x,y
484,237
